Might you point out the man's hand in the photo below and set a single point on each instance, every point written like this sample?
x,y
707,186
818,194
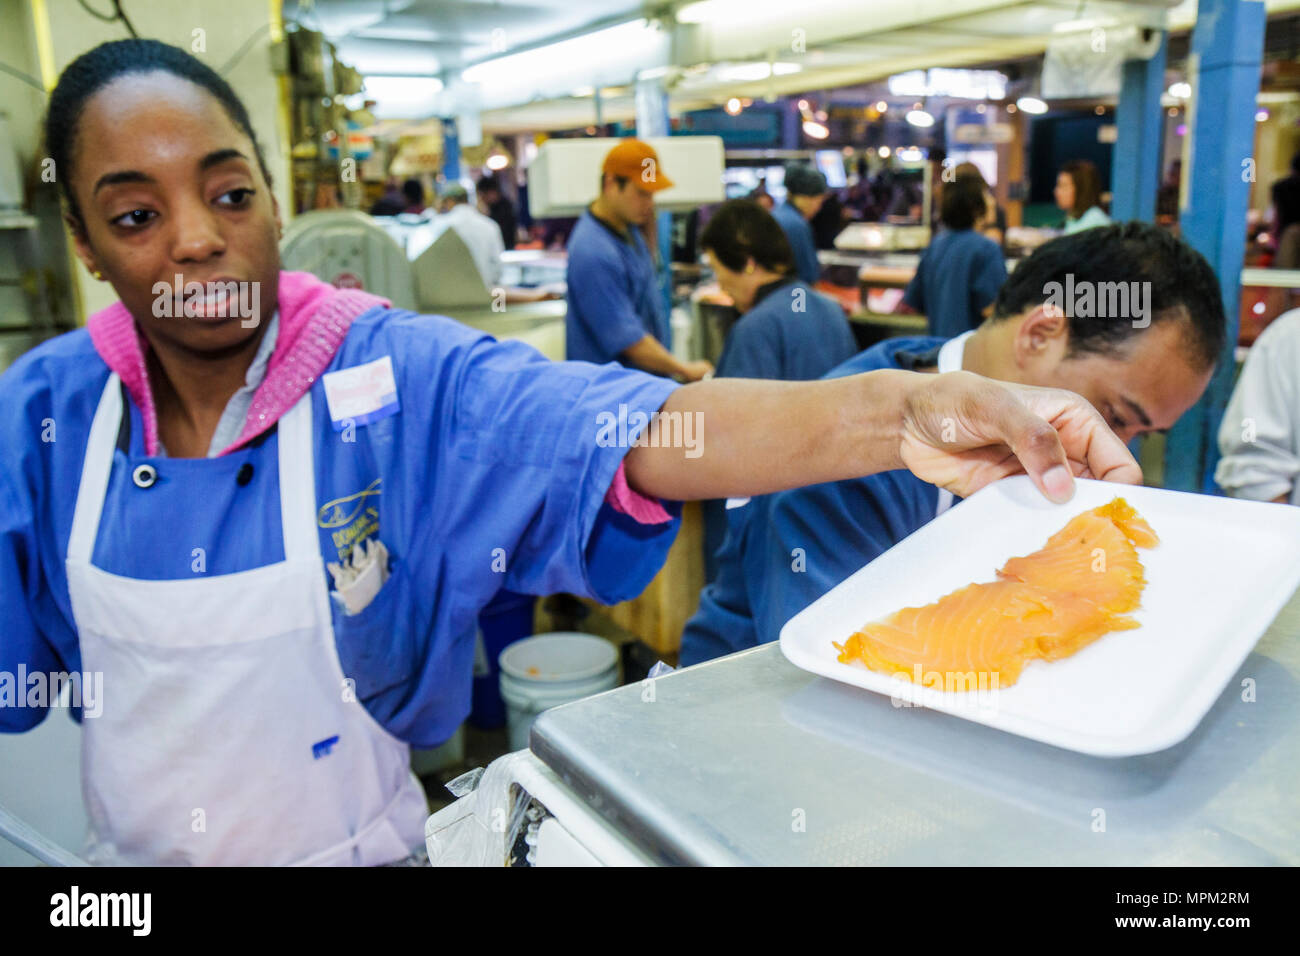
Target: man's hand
x,y
961,432
695,371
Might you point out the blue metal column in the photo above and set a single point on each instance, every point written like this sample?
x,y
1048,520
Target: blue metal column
x,y
1135,168
450,150
1227,47
652,120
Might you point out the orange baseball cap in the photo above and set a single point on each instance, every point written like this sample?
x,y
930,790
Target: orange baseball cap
x,y
636,160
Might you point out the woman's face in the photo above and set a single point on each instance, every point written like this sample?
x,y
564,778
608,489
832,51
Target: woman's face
x,y
1064,192
168,185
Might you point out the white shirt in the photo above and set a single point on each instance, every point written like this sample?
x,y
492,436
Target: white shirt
x,y
1259,437
480,233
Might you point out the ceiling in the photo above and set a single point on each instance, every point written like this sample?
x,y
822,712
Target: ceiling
x,y
844,43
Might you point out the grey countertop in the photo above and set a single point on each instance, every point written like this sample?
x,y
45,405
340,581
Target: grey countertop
x,y
749,760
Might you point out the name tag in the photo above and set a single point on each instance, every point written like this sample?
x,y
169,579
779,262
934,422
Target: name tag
x,y
361,394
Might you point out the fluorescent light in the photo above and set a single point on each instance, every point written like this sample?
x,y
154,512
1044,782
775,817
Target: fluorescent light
x,y
600,46
497,161
1261,115
733,106
881,106
884,152
919,118
584,91
710,11
753,72
815,129
909,154
1182,91
403,97
1031,104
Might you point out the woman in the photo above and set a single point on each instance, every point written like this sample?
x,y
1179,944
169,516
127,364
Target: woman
x,y
173,534
785,331
994,223
961,271
1078,195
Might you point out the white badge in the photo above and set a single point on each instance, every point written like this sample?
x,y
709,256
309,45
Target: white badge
x,y
361,394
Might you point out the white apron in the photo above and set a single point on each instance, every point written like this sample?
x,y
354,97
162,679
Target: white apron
x,y
228,735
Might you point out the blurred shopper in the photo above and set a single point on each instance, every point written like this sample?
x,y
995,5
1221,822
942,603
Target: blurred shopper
x,y
995,223
616,309
391,202
1286,217
413,193
1167,195
785,331
829,221
805,190
479,233
1260,434
961,271
1078,195
500,209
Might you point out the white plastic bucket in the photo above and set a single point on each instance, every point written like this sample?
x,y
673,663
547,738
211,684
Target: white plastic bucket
x,y
545,671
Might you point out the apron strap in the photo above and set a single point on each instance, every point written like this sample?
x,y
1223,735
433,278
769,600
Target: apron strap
x,y
297,477
298,483
95,471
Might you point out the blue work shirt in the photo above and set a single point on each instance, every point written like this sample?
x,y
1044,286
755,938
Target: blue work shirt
x,y
800,234
959,275
492,474
790,333
784,551
614,297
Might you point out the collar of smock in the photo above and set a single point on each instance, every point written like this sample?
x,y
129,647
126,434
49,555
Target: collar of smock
x,y
314,319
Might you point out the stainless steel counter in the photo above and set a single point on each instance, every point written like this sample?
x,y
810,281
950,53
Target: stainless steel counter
x,y
748,760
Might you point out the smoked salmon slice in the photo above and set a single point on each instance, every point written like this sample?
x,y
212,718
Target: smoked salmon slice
x,y
1047,605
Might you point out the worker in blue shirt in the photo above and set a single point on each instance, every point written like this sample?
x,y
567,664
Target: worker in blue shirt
x,y
784,551
264,514
616,311
961,270
805,191
785,330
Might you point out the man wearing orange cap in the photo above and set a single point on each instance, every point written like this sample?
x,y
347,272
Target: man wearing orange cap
x,y
616,311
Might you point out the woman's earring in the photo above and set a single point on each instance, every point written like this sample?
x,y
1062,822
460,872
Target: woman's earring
x,y
98,275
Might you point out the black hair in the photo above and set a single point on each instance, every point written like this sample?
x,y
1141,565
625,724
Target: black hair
x,y
1087,185
1182,286
93,70
740,229
489,184
413,190
963,202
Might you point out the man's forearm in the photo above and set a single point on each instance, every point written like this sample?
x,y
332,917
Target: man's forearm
x,y
755,437
648,353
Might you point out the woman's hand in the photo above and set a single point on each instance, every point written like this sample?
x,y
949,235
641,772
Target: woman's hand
x,y
961,432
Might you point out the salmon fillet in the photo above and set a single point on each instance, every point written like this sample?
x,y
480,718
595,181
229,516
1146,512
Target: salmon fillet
x,y
1047,605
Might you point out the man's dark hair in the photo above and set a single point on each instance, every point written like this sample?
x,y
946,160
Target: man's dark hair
x,y
489,184
963,202
413,190
93,70
1087,185
740,229
1182,286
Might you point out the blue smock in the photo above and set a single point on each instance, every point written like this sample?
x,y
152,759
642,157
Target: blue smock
x,y
490,474
614,297
784,551
790,333
800,234
959,275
